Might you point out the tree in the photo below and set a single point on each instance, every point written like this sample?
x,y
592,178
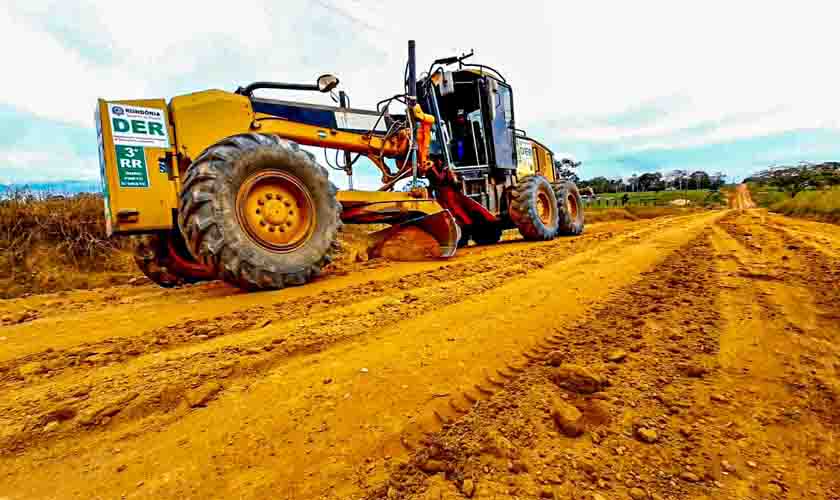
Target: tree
x,y
699,180
599,184
716,180
793,181
651,181
566,169
677,179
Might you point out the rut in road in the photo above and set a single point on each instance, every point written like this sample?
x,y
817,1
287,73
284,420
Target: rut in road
x,y
239,345
644,328
306,423
194,331
718,379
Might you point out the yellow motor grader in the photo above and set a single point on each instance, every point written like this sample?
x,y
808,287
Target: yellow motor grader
x,y
214,184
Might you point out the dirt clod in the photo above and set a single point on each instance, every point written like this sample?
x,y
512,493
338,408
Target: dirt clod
x,y
689,476
203,395
617,356
468,488
433,466
408,244
694,370
499,446
647,435
555,358
577,379
567,417
32,368
99,413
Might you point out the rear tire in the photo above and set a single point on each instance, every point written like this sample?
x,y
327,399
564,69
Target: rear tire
x,y
151,254
533,208
570,208
231,183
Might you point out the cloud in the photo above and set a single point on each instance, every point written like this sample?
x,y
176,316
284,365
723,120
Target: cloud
x,y
617,85
19,167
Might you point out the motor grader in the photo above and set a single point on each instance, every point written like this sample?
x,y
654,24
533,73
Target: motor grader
x,y
214,184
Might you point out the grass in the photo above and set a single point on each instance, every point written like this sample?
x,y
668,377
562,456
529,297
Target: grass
x,y
697,197
766,196
50,243
821,205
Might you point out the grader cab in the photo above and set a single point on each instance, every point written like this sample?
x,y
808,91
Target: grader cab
x,y
214,184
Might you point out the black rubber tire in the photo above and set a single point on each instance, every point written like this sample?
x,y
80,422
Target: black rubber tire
x,y
569,225
523,208
151,253
209,221
486,234
464,240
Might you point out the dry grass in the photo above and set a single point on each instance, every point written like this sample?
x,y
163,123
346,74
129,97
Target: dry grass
x,y
819,205
56,243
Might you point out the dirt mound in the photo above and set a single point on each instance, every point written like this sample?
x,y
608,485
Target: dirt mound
x,y
408,243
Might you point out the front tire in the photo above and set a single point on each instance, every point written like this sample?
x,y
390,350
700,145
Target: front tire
x,y
260,211
533,208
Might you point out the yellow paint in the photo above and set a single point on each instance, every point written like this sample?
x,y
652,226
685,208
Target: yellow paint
x,y
369,206
544,161
153,205
276,210
204,118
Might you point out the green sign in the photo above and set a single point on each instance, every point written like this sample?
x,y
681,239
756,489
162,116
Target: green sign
x,y
131,165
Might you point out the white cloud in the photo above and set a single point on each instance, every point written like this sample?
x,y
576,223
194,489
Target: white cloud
x,y
565,59
28,166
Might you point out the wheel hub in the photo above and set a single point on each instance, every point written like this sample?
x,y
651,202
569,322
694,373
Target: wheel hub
x,y
276,210
572,207
545,209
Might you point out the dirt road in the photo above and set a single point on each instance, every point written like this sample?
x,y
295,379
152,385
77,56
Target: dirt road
x,y
680,357
741,198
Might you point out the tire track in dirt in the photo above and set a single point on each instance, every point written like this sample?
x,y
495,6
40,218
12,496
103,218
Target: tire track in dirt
x,y
137,312
714,380
779,258
803,297
818,235
305,326
780,355
406,361
498,449
120,349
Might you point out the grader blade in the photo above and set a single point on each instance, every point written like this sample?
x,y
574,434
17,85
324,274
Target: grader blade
x,y
429,237
420,228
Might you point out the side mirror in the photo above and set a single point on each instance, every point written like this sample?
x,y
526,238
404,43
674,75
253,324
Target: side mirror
x,y
327,82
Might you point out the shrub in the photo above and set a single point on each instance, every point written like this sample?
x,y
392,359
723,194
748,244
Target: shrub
x,y
822,205
54,235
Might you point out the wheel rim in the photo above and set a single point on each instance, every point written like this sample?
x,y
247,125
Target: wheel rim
x,y
545,209
572,206
276,211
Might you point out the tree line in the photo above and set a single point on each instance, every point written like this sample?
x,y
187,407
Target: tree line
x,y
796,178
649,181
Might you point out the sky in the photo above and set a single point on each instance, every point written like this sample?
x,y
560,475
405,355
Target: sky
x,y
623,87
